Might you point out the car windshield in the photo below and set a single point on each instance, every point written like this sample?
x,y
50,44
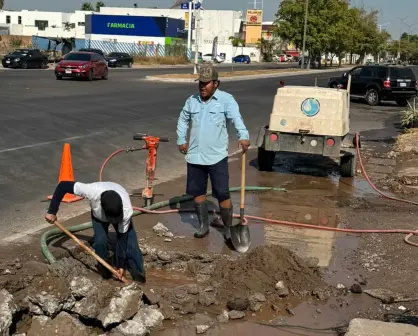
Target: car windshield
x,y
77,57
20,52
115,55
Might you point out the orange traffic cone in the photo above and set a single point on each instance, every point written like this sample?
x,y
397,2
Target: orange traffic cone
x,y
67,174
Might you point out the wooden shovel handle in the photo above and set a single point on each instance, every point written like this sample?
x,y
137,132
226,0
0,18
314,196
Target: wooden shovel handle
x,y
91,252
243,166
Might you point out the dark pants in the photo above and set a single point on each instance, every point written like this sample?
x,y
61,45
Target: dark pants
x,y
133,253
197,180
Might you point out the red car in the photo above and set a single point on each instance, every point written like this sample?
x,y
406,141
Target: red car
x,y
86,65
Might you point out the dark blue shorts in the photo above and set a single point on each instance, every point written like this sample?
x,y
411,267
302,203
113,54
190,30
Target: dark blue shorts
x,y
197,179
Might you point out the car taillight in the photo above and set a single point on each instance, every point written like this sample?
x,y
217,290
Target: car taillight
x,y
386,84
273,137
330,142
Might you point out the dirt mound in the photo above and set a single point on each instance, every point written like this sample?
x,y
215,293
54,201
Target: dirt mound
x,y
261,269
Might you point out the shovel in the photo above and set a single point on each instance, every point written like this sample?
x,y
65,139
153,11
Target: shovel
x,y
91,252
240,234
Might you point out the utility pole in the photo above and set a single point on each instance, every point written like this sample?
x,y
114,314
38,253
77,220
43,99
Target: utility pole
x,y
196,29
189,32
304,34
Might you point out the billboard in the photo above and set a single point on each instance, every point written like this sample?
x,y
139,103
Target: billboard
x,y
128,25
254,17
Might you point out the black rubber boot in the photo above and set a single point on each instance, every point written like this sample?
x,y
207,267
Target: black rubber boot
x,y
203,216
226,215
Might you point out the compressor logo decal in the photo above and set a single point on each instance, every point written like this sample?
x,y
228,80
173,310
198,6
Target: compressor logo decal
x,y
310,107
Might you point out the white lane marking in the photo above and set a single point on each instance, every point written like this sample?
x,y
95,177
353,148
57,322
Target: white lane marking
x,y
48,142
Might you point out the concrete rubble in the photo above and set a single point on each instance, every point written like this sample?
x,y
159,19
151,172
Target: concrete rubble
x,y
7,310
364,327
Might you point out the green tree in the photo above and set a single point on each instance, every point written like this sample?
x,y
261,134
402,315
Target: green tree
x,y
87,6
266,49
98,5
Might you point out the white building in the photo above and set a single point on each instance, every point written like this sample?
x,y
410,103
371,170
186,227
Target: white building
x,y
47,24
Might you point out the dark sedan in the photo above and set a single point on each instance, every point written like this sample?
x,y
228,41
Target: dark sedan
x,y
119,59
25,58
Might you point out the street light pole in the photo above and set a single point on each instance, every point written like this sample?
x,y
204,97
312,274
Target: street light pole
x,y
380,30
304,34
189,32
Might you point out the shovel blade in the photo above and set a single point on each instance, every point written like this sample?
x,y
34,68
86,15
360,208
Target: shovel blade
x,y
240,237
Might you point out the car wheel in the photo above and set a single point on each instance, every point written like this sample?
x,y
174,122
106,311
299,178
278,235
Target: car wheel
x,y
106,75
24,65
265,159
130,65
44,65
58,77
348,166
402,102
372,97
90,76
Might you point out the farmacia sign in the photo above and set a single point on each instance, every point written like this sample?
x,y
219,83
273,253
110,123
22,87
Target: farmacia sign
x,y
121,25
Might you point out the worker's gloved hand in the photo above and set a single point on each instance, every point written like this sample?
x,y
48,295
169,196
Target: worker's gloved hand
x,y
244,145
50,218
183,148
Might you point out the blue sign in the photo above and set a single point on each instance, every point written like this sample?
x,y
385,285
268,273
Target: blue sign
x,y
310,107
129,25
186,6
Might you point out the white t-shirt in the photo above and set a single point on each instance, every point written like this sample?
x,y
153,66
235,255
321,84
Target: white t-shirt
x,y
93,191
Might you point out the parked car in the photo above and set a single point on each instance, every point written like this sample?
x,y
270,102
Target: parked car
x,y
119,59
25,58
97,51
85,65
241,59
210,58
375,83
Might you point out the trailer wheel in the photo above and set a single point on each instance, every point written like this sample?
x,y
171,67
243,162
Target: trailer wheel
x,y
265,159
348,165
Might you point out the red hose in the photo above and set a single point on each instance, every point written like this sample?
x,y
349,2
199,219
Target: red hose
x,y
107,160
409,233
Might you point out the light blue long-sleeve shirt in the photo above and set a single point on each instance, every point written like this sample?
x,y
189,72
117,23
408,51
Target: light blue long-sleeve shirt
x,y
208,142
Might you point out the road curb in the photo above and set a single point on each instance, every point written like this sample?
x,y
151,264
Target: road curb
x,y
241,78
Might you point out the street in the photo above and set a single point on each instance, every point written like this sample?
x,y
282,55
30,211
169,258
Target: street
x,y
40,114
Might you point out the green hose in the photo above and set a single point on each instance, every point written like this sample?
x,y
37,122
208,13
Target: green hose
x,y
56,232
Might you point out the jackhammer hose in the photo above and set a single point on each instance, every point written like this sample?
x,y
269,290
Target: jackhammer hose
x,y
55,233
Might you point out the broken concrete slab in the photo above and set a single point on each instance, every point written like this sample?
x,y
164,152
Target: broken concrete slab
x,y
364,327
7,310
65,325
162,231
149,317
235,314
123,306
37,326
387,296
409,169
45,303
130,328
87,308
82,287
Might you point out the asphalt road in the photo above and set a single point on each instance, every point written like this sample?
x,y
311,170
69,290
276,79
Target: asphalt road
x,y
39,114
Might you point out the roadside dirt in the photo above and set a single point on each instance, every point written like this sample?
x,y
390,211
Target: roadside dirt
x,y
311,278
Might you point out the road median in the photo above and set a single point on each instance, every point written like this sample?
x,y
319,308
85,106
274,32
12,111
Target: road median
x,y
241,75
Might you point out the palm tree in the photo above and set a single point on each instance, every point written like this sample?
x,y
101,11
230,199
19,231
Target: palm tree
x,y
98,5
86,6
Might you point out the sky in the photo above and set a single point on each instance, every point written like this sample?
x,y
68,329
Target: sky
x,y
390,10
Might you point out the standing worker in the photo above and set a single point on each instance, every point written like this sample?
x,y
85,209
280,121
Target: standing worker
x,y
209,112
110,204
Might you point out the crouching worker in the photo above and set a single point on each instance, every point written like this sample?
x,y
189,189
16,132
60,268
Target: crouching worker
x,y
110,204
